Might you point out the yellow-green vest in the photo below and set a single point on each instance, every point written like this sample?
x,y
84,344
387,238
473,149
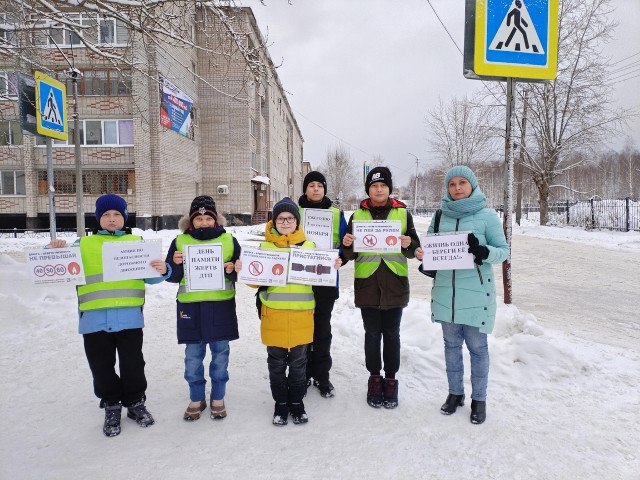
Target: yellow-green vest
x,y
213,295
336,225
290,297
98,294
368,262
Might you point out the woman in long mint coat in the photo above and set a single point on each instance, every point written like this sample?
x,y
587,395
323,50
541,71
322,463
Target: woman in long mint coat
x,y
464,301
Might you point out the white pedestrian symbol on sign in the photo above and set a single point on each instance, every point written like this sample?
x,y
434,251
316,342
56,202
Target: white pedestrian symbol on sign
x,y
51,111
517,31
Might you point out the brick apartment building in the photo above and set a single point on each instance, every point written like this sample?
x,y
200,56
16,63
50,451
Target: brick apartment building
x,y
240,144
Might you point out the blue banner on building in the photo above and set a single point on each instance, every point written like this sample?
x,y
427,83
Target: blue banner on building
x,y
175,108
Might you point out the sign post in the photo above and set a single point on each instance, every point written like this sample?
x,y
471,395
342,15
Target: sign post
x,y
51,122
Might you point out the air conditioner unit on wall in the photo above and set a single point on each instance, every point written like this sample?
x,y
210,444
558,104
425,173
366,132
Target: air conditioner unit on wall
x,y
223,190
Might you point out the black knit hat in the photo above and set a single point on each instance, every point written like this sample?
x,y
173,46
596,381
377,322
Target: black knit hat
x,y
286,205
111,202
314,177
378,174
203,205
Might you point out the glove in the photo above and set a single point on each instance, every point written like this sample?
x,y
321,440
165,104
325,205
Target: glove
x,y
428,273
480,252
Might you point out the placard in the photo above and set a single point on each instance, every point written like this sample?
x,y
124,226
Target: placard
x,y
264,267
130,260
377,236
49,266
203,267
312,267
446,251
317,226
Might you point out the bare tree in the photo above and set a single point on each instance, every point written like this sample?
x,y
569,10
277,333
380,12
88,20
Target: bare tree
x,y
341,173
569,117
462,132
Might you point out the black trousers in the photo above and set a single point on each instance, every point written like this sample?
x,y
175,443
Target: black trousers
x,y
100,348
382,325
291,388
319,352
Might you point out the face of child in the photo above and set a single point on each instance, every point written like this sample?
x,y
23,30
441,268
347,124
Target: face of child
x,y
203,221
315,191
111,220
286,223
459,187
379,194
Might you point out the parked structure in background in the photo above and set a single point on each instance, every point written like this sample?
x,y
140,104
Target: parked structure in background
x,y
192,121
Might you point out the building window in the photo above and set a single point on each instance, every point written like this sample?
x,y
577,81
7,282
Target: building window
x,y
8,85
254,161
10,132
252,127
99,82
98,132
94,182
263,135
7,33
263,164
95,29
12,182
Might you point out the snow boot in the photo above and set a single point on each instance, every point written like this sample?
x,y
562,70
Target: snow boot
x,y
138,412
478,411
112,414
280,414
298,415
374,392
390,389
194,409
451,404
218,410
326,389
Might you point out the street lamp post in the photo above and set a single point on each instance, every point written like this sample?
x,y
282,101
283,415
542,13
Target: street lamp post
x,y
415,189
74,73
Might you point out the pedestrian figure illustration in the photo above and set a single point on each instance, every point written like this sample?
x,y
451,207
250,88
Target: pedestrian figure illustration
x,y
518,23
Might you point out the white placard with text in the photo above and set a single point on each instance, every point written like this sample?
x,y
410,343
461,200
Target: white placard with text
x,y
377,236
447,251
203,267
130,260
312,267
55,265
264,267
317,226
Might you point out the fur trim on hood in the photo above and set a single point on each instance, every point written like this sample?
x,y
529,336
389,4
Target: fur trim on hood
x,y
184,223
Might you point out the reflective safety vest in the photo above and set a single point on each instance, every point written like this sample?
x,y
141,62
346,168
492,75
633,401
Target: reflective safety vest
x,y
368,262
98,294
336,225
290,297
210,295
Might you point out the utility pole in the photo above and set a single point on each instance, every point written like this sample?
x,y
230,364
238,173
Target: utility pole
x,y
74,73
415,189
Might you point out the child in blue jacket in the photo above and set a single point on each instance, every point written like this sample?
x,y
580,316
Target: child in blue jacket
x,y
205,317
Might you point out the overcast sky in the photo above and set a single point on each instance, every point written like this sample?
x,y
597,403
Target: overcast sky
x,y
364,73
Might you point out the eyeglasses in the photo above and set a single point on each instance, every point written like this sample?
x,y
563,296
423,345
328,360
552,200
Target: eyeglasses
x,y
282,220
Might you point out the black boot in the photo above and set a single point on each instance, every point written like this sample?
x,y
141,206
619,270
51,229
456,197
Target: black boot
x,y
374,391
280,414
478,411
390,388
298,414
112,413
451,404
138,412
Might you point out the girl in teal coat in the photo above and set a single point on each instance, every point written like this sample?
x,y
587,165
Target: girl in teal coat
x,y
464,301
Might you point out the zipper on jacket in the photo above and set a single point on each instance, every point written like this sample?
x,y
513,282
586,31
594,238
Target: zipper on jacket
x,y
453,287
479,274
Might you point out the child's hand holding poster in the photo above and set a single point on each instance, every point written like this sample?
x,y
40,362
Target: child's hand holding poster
x,y
448,251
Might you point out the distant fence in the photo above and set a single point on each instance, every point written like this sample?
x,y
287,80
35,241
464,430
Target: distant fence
x,y
39,232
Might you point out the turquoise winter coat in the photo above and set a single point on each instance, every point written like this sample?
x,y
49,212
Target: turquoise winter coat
x,y
468,297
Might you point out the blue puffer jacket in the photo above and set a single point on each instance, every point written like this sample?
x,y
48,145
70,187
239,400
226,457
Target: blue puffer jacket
x,y
469,296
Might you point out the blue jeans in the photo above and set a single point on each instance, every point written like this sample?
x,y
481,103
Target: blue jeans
x,y
454,334
194,354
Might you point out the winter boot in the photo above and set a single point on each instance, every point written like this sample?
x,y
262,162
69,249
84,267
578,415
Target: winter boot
x,y
374,392
451,404
390,389
194,409
112,413
478,411
326,389
218,410
140,414
280,414
298,415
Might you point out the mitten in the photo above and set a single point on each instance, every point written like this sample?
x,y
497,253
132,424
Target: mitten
x,y
480,252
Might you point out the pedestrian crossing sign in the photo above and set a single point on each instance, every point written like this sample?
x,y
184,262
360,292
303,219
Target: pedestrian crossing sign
x,y
516,38
51,111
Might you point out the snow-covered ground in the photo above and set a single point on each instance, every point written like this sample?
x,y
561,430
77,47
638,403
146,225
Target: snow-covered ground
x,y
563,399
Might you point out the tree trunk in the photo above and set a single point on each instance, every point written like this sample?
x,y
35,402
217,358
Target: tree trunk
x,y
543,194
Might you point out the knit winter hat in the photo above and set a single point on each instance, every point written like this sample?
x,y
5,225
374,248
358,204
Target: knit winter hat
x,y
460,171
203,205
111,202
314,177
286,205
378,174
